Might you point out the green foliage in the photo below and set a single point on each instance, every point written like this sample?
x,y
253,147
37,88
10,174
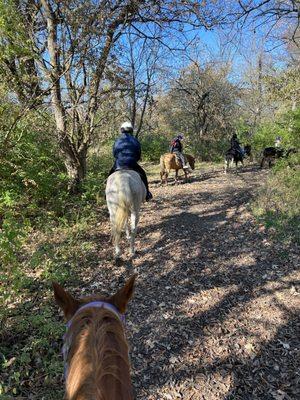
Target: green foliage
x,y
35,356
279,202
98,167
153,146
210,150
287,126
284,86
13,38
42,231
30,167
31,329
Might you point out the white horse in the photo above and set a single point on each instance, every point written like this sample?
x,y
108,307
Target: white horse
x,y
125,193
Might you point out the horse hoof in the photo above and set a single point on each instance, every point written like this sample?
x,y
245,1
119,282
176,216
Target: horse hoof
x,y
118,261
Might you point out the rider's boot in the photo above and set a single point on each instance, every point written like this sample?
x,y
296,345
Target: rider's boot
x,y
149,196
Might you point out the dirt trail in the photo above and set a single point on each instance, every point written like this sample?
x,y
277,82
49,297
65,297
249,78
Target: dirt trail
x,y
214,314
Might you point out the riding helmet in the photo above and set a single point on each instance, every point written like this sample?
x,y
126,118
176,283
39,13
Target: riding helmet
x,y
127,127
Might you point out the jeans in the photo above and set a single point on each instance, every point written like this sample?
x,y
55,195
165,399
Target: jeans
x,y
181,157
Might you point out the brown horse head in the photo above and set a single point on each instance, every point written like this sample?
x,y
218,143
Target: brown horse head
x,y
191,160
95,349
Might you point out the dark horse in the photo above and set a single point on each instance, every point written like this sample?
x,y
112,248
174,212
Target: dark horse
x,y
234,156
272,153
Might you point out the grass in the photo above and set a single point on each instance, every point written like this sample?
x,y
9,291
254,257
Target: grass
x,y
278,203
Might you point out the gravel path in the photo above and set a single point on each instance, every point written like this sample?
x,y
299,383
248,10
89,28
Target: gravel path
x,y
214,315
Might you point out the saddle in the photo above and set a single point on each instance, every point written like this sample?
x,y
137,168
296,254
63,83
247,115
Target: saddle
x,y
124,168
178,159
235,151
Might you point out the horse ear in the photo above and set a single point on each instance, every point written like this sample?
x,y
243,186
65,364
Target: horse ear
x,y
121,298
65,300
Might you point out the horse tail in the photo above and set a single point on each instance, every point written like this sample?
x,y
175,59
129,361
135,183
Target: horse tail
x,y
122,214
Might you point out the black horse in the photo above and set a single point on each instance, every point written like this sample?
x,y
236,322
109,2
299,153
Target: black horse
x,y
270,154
233,155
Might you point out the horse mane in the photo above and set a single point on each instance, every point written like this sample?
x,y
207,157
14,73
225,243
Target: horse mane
x,y
97,360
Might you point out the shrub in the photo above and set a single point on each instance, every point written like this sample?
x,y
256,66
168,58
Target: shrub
x,y
153,146
278,204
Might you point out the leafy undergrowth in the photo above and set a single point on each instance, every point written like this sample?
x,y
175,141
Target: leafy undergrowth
x,y
279,201
40,242
31,328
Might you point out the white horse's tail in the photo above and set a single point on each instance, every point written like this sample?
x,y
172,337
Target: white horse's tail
x,y
122,214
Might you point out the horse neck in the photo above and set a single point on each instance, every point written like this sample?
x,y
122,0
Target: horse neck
x,y
190,159
98,364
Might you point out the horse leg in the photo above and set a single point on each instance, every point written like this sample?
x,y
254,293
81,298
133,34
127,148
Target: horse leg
x,y
186,177
176,175
226,165
133,222
166,177
162,174
115,235
262,163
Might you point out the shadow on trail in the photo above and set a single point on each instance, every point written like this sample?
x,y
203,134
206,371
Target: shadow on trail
x,y
222,252
200,175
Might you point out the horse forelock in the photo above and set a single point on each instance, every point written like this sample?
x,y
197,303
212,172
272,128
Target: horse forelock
x,y
98,357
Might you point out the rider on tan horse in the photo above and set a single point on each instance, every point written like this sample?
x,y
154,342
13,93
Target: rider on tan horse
x,y
168,161
176,148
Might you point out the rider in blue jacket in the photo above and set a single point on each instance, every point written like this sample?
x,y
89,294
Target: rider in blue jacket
x,y
127,153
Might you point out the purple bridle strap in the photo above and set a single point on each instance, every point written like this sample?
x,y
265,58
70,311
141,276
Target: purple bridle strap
x,y
99,304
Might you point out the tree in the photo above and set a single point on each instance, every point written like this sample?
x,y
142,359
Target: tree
x,y
143,58
65,53
270,12
202,103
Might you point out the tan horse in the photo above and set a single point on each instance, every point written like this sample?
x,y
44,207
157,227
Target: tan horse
x,y
168,161
95,348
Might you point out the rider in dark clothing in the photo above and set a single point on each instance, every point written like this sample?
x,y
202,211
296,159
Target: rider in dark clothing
x,y
235,144
176,147
127,153
176,144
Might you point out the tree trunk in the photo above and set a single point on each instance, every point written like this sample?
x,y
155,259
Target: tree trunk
x,y
75,163
76,172
76,169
